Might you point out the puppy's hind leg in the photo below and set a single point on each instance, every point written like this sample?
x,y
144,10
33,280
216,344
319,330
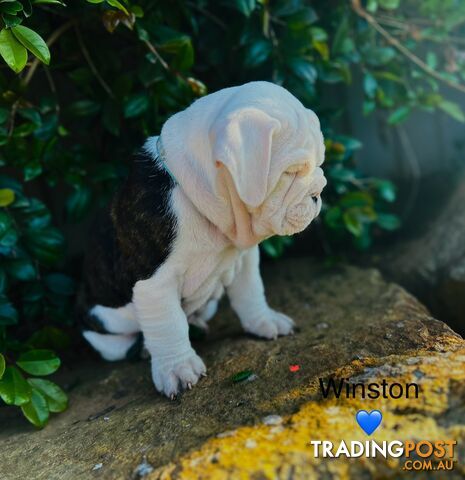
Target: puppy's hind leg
x,y
120,327
204,315
116,320
111,347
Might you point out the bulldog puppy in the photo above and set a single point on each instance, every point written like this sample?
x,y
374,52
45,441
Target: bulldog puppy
x,y
233,169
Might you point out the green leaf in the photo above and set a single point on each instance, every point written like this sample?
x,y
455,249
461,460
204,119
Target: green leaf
x,y
246,7
117,4
333,217
78,203
24,130
11,20
387,190
257,53
389,4
46,245
137,11
50,337
14,54
56,2
357,199
370,85
432,60
36,411
39,362
31,114
388,221
342,174
399,114
48,128
379,55
342,43
372,6
56,398
10,238
36,215
318,34
274,246
270,249
241,376
32,170
7,197
21,269
11,7
349,143
353,222
2,365
84,108
5,223
14,390
301,19
364,241
8,313
452,109
136,105
27,8
4,115
303,68
368,106
33,42
179,45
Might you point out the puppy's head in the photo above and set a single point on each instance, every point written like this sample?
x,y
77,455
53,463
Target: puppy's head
x,y
268,157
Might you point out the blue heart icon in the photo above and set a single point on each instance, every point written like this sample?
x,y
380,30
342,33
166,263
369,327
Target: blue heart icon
x,y
369,422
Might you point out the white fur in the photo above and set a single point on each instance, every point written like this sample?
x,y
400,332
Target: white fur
x,y
247,162
204,315
111,347
236,144
117,320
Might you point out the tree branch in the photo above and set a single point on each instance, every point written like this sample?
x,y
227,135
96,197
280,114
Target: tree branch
x,y
91,64
209,15
163,62
50,41
159,57
360,11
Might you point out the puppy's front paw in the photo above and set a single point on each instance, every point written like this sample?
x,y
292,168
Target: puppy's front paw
x,y
270,325
171,377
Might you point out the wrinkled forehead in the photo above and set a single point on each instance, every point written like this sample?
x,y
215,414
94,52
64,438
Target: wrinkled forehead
x,y
299,141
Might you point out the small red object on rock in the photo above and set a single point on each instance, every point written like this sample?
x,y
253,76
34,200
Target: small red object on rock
x,y
294,368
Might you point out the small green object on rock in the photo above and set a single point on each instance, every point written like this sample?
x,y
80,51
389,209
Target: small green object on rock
x,y
242,376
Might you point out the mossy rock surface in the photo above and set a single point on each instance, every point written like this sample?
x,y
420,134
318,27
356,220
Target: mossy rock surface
x,y
352,324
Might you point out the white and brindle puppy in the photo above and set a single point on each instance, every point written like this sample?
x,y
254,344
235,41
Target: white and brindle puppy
x,y
233,169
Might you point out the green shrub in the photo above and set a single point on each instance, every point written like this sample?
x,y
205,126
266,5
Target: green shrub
x,y
74,107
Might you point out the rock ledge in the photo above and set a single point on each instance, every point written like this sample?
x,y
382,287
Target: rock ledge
x,y
352,324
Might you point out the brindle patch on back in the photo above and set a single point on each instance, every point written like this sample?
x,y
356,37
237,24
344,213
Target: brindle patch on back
x,y
130,240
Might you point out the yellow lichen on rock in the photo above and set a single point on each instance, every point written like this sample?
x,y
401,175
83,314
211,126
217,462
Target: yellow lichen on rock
x,y
282,450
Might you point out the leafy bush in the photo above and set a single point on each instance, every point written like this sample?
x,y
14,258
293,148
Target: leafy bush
x,y
70,120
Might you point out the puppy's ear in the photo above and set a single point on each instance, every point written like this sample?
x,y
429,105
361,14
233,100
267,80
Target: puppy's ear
x,y
242,143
